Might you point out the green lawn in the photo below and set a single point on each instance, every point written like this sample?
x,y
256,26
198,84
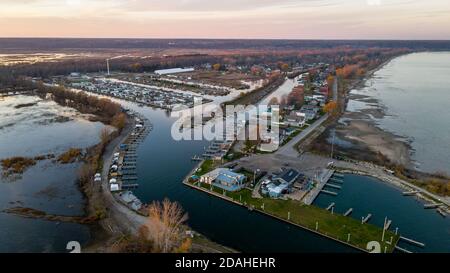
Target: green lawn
x,y
207,166
334,225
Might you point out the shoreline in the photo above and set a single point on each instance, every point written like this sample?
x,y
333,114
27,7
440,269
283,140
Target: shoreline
x,y
361,130
121,220
270,215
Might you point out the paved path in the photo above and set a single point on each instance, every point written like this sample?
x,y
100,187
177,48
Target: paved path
x,y
289,148
121,219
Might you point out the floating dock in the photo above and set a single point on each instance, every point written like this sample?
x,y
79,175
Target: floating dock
x,y
409,193
329,192
402,250
333,186
348,212
367,218
331,206
130,186
326,175
388,224
412,242
432,205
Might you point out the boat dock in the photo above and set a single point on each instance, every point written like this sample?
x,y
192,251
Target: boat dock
x,y
412,242
367,218
333,186
196,158
348,212
331,206
329,192
442,212
336,180
402,250
123,174
322,179
388,224
432,205
217,149
409,193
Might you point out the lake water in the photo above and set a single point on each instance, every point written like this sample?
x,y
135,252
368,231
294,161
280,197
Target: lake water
x,y
164,162
369,195
39,129
414,90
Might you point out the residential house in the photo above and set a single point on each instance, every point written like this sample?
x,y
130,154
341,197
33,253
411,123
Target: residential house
x,y
296,118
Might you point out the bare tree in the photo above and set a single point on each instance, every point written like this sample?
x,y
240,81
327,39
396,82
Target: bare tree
x,y
165,226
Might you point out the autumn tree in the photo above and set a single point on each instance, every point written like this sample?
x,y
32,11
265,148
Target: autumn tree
x,y
330,80
283,66
119,121
216,67
330,108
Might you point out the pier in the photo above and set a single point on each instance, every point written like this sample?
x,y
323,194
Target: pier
x,y
329,192
323,179
409,193
432,205
348,212
402,250
336,180
333,186
367,218
130,186
412,242
331,206
388,224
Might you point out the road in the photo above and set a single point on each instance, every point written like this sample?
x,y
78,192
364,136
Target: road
x,y
289,149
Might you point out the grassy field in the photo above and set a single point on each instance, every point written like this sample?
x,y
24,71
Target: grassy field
x,y
207,166
333,225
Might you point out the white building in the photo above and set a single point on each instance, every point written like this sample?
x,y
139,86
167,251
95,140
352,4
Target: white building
x,y
173,71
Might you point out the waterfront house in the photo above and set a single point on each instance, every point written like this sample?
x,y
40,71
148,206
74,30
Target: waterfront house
x,y
275,190
280,183
130,200
224,178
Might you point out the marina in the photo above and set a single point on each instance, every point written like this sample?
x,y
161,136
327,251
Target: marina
x,y
123,175
386,201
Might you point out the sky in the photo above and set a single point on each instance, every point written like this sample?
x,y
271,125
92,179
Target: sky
x,y
267,19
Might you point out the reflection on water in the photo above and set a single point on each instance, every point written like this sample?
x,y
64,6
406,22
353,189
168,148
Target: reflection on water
x,y
30,126
369,195
42,128
414,89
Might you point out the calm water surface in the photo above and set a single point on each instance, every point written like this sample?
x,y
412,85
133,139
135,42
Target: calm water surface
x,y
415,92
34,130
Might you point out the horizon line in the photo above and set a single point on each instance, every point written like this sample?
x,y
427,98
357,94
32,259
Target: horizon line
x,y
204,38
